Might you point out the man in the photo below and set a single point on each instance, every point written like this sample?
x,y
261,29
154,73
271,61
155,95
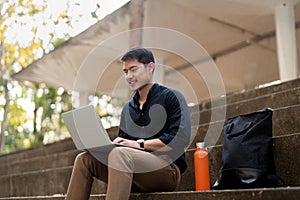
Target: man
x,y
156,119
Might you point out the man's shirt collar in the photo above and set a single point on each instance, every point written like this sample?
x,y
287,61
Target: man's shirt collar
x,y
152,91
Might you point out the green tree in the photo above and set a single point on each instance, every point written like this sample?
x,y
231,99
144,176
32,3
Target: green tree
x,y
20,18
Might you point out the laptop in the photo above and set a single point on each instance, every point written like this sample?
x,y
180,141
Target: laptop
x,y
86,129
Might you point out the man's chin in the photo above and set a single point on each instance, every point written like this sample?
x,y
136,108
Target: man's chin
x,y
137,87
132,87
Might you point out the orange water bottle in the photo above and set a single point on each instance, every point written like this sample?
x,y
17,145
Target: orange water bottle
x,y
202,180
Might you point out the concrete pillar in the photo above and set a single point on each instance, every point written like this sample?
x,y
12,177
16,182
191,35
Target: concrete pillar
x,y
159,72
286,41
136,22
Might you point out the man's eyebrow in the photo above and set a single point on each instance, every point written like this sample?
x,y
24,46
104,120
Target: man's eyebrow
x,y
124,69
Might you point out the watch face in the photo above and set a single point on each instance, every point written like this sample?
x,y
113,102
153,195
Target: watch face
x,y
141,142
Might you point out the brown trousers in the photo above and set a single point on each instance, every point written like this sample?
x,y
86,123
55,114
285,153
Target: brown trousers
x,y
129,170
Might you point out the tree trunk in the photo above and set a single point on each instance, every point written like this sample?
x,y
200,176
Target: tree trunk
x,y
6,96
4,122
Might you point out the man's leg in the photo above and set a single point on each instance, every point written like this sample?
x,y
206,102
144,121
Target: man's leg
x,y
85,168
143,169
164,180
120,168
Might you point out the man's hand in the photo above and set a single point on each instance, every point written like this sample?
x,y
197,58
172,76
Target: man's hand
x,y
150,145
132,143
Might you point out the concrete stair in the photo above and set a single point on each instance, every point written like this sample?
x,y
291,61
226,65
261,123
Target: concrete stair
x,y
254,194
44,172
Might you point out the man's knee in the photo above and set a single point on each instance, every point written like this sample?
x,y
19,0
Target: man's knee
x,y
118,153
120,159
83,159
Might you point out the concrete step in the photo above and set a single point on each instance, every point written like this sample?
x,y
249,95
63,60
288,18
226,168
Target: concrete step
x,y
41,150
287,164
281,95
266,194
45,150
39,163
285,121
55,181
42,182
291,193
278,96
52,178
250,94
282,99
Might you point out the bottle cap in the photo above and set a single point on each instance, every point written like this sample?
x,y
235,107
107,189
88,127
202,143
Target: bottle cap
x,y
200,144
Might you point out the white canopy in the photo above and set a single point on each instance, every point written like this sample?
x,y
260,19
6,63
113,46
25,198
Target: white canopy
x,y
238,35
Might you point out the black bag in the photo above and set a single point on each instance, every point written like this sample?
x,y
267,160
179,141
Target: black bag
x,y
247,157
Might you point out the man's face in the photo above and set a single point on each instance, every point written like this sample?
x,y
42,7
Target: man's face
x,y
137,74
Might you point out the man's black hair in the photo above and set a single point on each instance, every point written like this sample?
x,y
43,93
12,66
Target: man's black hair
x,y
140,54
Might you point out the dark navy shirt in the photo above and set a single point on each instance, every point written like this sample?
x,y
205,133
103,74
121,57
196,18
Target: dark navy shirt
x,y
165,115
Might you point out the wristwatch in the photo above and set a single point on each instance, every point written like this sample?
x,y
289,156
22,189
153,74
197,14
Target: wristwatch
x,y
141,143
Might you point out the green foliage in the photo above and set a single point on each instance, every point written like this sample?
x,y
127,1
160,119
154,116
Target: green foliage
x,y
34,110
17,135
94,13
58,42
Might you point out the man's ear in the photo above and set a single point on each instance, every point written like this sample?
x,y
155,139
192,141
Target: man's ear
x,y
151,66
